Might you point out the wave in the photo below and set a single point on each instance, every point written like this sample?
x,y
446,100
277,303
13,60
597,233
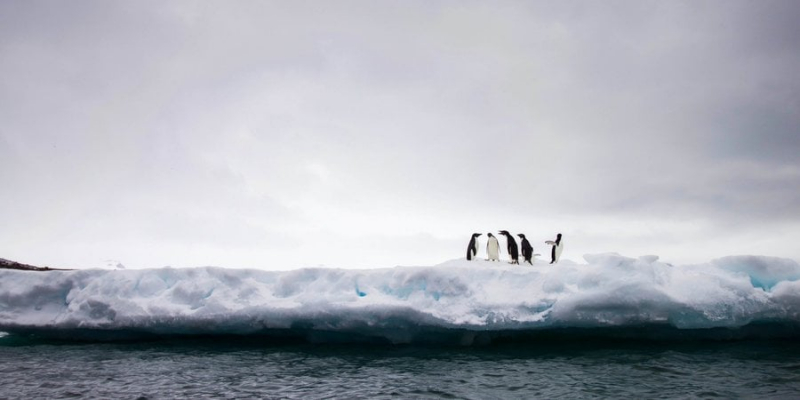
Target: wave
x,y
460,302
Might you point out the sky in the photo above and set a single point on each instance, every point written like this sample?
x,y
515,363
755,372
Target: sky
x,y
365,134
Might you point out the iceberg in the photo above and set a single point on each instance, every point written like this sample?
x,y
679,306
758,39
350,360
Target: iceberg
x,y
460,302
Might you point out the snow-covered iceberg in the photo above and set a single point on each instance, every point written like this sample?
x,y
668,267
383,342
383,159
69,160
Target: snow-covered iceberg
x,y
458,301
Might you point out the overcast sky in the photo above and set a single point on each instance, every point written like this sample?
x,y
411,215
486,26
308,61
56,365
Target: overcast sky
x,y
290,134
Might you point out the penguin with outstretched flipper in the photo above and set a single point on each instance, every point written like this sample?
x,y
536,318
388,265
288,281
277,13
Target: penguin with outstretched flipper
x,y
472,248
527,249
558,247
511,246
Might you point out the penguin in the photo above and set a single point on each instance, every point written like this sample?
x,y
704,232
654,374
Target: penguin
x,y
472,248
527,249
558,246
511,246
492,248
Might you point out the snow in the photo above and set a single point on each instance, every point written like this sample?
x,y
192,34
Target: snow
x,y
402,304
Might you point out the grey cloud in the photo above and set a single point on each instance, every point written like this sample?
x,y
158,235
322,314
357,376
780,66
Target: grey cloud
x,y
275,114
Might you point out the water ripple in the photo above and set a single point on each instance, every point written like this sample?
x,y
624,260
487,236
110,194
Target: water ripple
x,y
217,370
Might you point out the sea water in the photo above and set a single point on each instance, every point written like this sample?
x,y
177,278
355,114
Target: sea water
x,y
217,368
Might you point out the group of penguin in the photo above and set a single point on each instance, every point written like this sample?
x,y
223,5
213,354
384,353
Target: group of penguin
x,y
493,248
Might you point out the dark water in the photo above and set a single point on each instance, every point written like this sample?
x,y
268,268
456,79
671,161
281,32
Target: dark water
x,y
233,369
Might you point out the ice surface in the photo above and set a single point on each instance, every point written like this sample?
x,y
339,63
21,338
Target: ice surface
x,y
404,304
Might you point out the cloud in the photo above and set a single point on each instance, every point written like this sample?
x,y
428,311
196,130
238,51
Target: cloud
x,y
242,130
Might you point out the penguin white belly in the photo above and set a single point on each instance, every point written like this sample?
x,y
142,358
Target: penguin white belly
x,y
493,249
559,248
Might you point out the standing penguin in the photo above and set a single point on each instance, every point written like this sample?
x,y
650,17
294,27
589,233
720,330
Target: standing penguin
x,y
527,249
511,246
492,248
472,249
558,246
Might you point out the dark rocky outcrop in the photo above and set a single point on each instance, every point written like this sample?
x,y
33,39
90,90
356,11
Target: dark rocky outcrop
x,y
8,264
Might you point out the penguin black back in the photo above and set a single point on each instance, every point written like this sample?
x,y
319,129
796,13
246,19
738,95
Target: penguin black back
x,y
526,248
472,248
554,250
511,246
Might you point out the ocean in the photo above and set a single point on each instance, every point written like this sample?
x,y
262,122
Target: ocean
x,y
256,368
